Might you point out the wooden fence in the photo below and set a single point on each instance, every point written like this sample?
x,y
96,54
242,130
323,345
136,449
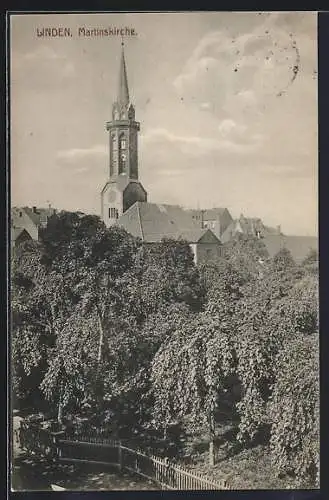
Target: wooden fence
x,y
102,451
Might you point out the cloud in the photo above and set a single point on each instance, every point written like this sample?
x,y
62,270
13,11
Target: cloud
x,y
198,145
43,52
244,73
74,154
42,66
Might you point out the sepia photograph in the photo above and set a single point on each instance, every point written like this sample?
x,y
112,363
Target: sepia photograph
x,y
164,324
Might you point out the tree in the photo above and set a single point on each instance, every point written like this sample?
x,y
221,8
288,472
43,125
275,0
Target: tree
x,y
311,262
271,310
189,373
90,260
294,410
30,333
247,254
163,274
223,283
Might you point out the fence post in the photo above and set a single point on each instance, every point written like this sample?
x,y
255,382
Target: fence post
x,y
166,472
57,449
120,456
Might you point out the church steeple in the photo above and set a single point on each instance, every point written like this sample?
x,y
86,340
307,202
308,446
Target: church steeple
x,y
123,188
123,91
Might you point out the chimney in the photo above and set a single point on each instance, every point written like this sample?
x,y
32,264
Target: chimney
x,y
34,210
202,218
278,228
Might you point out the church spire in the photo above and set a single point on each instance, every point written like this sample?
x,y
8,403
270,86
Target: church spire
x,y
123,92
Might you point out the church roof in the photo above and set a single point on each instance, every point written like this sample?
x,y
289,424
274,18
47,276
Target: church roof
x,y
152,222
123,92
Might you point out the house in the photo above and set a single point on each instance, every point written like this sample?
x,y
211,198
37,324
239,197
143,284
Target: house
x,y
216,219
19,235
273,239
26,223
248,226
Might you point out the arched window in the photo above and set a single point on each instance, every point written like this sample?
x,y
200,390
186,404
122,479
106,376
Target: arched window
x,y
122,153
114,141
123,162
131,112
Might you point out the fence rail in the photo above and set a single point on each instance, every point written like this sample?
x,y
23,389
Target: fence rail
x,y
160,470
82,448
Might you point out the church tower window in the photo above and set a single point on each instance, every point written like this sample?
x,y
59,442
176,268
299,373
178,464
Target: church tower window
x,y
123,155
113,213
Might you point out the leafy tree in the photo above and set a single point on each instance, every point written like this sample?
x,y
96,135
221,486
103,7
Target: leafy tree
x,y
223,283
272,309
93,259
247,254
189,372
294,410
163,274
311,262
30,335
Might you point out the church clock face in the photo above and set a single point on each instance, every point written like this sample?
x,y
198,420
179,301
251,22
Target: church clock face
x,y
112,196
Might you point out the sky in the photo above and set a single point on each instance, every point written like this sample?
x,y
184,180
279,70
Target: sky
x,y
227,103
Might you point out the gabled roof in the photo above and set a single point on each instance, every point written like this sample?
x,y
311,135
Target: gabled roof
x,y
152,222
19,232
229,232
37,215
250,225
199,236
16,231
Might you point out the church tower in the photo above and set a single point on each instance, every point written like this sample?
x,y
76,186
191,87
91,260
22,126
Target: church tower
x,y
123,188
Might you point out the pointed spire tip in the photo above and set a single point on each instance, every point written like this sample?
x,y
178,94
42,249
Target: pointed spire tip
x,y
123,92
